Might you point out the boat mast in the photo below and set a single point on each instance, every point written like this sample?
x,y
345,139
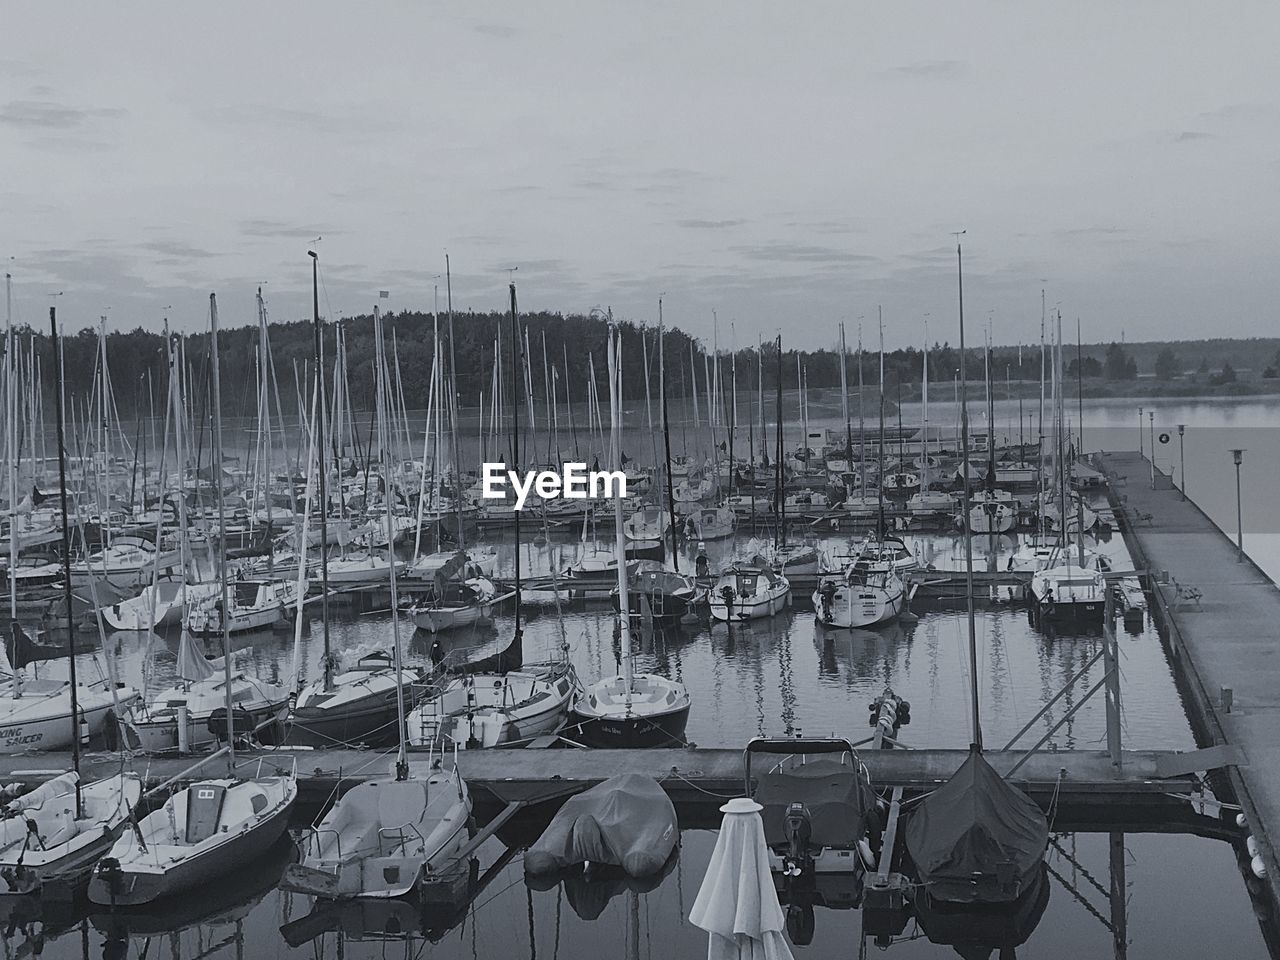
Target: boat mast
x,y
862,425
924,412
666,440
880,461
515,443
11,430
619,536
66,556
975,721
779,501
381,398
222,533
453,405
321,472
844,402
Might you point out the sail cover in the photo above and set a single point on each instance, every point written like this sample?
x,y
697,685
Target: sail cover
x,y
838,797
976,839
627,821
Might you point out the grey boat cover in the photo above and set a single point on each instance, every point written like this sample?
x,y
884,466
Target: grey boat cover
x,y
839,799
628,821
977,839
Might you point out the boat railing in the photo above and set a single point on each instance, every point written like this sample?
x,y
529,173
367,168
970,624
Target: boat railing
x,y
398,833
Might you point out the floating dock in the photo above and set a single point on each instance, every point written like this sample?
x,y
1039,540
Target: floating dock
x,y
1220,618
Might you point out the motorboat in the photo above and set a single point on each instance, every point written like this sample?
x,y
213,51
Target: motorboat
x,y
50,832
383,836
930,502
820,811
252,605
859,598
357,706
493,709
202,835
749,592
363,568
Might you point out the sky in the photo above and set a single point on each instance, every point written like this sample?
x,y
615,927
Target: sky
x,y
780,167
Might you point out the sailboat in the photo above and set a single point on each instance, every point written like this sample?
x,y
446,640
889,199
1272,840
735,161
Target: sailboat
x,y
927,501
212,827
977,839
630,709
383,836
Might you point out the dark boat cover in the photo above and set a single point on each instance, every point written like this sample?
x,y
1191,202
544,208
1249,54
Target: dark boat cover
x,y
976,839
977,931
628,821
837,795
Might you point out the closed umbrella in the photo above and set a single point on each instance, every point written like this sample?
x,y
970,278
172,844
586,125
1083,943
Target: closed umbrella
x,y
737,904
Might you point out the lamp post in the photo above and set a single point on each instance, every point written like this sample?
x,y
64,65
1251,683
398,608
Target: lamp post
x,y
1182,461
1238,456
1141,451
1151,419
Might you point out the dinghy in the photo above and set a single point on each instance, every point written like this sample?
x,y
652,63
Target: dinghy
x,y
202,833
49,832
628,821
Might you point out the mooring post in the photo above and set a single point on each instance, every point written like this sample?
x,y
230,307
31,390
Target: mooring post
x,y
1111,676
1119,893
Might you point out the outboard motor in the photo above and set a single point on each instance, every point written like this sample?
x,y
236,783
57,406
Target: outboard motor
x,y
827,593
799,830
728,595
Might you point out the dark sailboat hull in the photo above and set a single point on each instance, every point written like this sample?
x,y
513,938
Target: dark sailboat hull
x,y
652,730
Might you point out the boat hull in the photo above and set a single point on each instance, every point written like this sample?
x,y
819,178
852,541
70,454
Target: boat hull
x,y
370,720
129,887
650,730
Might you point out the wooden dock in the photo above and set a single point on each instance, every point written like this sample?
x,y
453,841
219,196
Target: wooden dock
x,y
1220,618
1148,779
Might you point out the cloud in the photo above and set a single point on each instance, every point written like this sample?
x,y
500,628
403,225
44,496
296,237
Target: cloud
x,y
1188,136
178,250
284,229
929,69
499,30
345,121
800,253
710,224
51,115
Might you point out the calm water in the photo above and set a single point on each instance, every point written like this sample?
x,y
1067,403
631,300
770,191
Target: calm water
x,y
1185,895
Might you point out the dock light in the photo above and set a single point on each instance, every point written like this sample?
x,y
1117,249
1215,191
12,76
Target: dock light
x,y
1182,460
1141,443
1238,457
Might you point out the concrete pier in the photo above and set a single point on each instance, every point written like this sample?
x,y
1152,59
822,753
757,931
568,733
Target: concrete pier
x,y
1221,620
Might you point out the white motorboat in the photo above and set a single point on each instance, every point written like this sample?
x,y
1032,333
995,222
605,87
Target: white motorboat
x,y
863,506
859,598
749,592
928,502
203,834
457,605
253,604
647,523
44,833
491,709
383,836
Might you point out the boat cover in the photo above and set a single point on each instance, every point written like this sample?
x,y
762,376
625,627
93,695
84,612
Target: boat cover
x,y
976,839
627,821
837,795
976,932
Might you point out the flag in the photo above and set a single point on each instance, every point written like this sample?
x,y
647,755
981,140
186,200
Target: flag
x,y
384,294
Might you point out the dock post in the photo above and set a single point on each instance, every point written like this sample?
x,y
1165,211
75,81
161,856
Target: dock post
x,y
1119,921
1111,675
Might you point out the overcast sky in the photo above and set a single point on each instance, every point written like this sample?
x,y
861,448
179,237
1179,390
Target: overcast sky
x,y
784,164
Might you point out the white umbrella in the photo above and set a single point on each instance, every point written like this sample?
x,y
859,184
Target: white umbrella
x,y
737,904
